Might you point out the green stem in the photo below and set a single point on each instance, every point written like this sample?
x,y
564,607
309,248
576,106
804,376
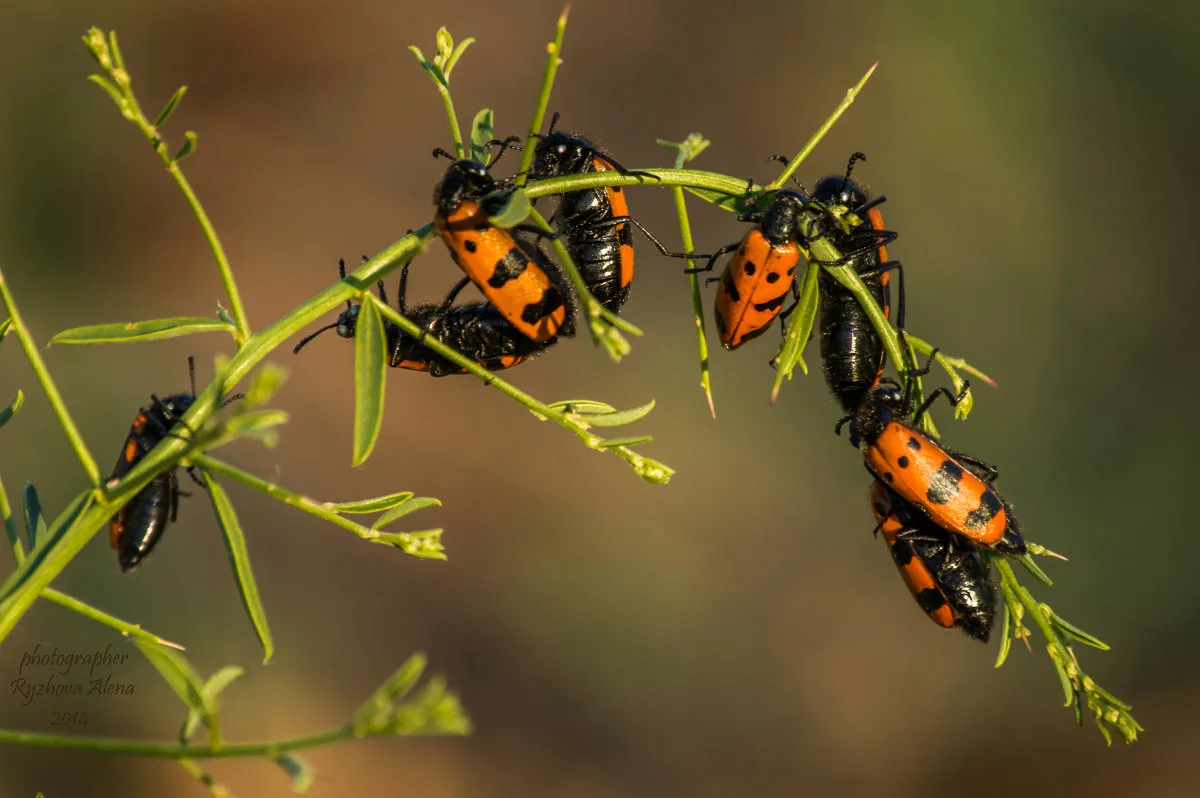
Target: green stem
x,y
685,236
553,59
25,584
689,178
10,526
648,469
146,748
793,164
299,501
43,376
1034,608
101,617
455,132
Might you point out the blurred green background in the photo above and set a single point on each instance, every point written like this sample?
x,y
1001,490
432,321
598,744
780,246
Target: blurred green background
x,y
737,631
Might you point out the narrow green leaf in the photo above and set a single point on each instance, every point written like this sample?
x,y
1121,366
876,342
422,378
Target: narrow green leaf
x,y
115,50
189,146
265,384
421,59
224,316
1103,729
404,508
618,417
482,131
35,521
258,424
426,545
112,90
730,202
152,330
1033,568
582,406
374,505
1075,633
372,715
369,368
459,49
5,326
210,693
177,672
7,413
612,443
799,330
47,544
515,210
239,556
298,770
1068,688
1005,637
169,108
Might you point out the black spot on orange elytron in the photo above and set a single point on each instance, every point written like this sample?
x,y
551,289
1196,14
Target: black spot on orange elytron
x,y
483,226
772,277
914,444
930,600
989,505
551,301
791,271
510,267
771,304
944,485
902,461
616,189
902,553
470,246
730,288
750,268
888,478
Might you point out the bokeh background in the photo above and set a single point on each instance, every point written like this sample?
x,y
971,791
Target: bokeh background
x,y
737,631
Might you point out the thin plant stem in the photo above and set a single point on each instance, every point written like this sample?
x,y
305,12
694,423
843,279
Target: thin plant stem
x,y
794,163
147,748
553,59
52,395
685,236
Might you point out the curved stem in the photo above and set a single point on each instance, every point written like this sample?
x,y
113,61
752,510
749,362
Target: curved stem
x,y
685,236
689,178
52,395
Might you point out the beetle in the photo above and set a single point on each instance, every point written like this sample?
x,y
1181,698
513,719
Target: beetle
x,y
953,489
524,285
478,330
943,571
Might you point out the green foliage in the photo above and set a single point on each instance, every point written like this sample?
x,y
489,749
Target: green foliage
x,y
399,707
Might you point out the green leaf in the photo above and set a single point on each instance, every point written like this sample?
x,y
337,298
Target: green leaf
x,y
265,384
433,710
459,49
35,522
404,508
112,90
1068,688
118,61
374,505
515,209
189,146
730,202
224,316
258,424
372,715
47,545
799,330
5,326
688,149
482,131
1005,638
369,368
1075,633
210,692
169,108
616,418
153,330
426,545
235,542
178,673
582,406
7,413
298,770
612,443
1033,568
